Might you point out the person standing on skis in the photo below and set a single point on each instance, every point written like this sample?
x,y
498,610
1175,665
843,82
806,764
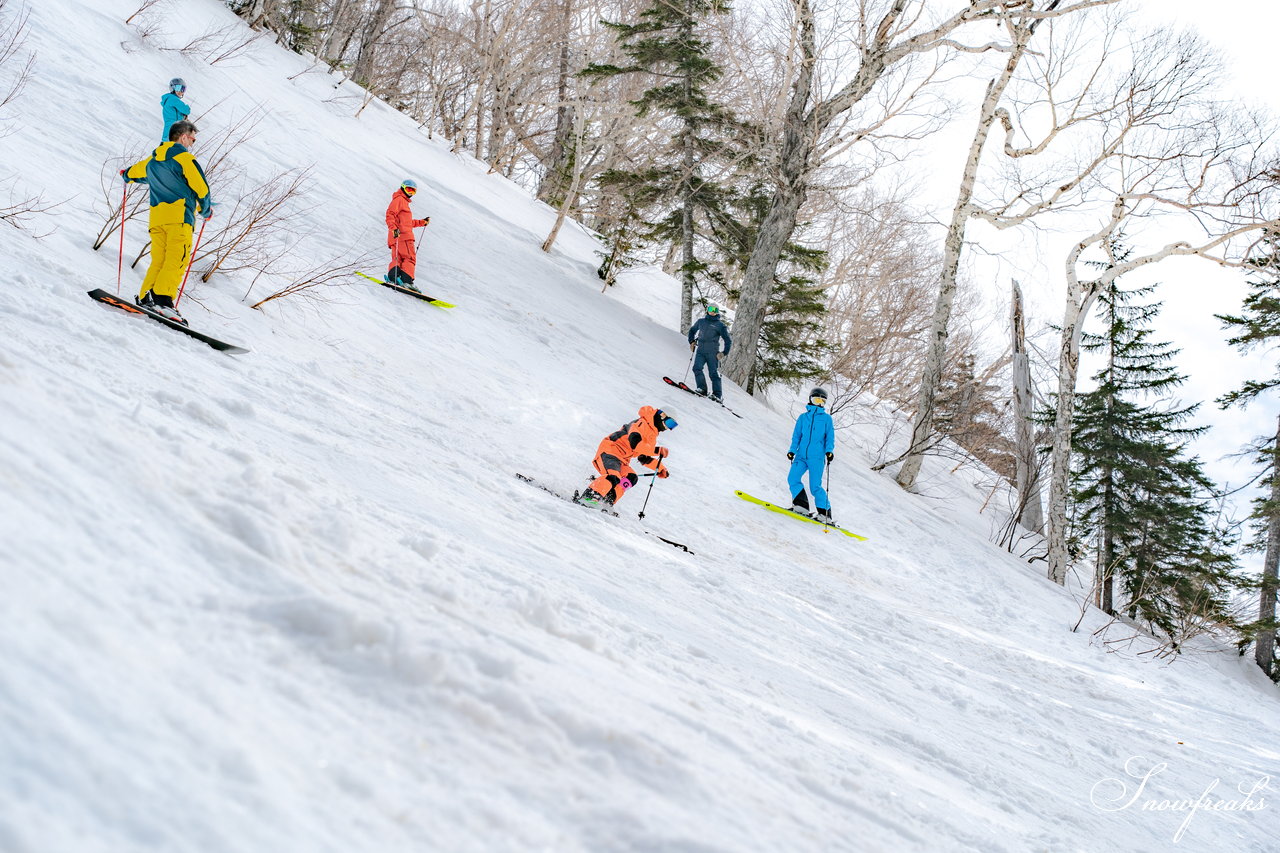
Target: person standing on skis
x,y
178,189
172,107
813,444
704,341
638,441
400,225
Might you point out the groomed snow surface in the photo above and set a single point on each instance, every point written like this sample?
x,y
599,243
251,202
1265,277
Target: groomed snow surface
x,y
296,600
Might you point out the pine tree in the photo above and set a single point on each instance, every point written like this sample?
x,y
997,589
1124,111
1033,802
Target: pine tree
x,y
1142,507
1258,324
665,43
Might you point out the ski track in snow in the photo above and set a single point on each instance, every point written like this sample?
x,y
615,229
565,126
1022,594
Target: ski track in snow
x,y
296,600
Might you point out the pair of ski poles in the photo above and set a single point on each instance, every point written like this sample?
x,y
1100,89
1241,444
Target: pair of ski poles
x,y
124,204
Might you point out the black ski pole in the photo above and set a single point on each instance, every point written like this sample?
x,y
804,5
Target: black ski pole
x,y
646,494
827,486
687,368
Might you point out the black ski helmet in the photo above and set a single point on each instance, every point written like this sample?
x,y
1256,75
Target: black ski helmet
x,y
663,419
819,393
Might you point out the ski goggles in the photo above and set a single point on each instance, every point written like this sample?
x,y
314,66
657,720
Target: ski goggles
x,y
669,422
410,190
818,401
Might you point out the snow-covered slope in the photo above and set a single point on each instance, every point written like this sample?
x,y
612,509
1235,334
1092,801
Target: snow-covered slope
x,y
297,600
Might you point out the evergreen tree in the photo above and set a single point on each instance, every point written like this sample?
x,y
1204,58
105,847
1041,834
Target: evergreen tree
x,y
1258,324
664,42
1142,507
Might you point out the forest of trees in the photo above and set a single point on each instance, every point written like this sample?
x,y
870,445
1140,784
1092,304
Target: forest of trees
x,y
762,153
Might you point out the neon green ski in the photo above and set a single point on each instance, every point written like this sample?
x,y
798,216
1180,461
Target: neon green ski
x,y
827,528
439,303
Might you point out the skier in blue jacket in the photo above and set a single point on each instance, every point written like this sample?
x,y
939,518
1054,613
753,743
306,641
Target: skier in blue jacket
x,y
813,444
704,340
173,107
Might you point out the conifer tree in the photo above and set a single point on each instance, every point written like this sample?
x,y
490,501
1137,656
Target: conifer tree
x,y
1143,507
1258,324
665,42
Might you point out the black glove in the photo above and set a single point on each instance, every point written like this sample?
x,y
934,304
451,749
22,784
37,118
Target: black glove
x,y
395,232
830,457
791,457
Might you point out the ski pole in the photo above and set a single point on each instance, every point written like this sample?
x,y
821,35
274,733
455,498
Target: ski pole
x,y
687,368
124,202
646,496
826,475
190,262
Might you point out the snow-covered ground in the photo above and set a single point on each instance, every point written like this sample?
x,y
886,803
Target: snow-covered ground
x,y
297,600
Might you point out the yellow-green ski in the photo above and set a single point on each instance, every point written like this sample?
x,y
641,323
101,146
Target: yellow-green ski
x,y
439,303
775,508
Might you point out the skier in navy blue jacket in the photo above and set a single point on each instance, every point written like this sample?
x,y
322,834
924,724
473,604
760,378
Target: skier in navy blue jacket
x,y
704,340
813,444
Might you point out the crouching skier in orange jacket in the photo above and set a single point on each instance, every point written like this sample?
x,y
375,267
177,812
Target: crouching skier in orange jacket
x,y
637,441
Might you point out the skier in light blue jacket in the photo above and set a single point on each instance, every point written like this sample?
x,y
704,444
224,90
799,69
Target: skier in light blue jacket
x,y
813,444
173,107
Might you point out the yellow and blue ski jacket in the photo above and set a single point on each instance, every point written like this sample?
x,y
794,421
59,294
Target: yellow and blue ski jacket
x,y
177,185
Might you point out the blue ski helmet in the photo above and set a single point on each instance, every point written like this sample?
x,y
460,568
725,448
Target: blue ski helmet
x,y
177,85
409,185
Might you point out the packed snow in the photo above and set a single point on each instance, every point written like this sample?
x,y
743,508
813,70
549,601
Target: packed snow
x,y
297,599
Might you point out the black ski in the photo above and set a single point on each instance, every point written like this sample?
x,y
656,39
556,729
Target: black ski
x,y
574,500
439,303
126,305
694,392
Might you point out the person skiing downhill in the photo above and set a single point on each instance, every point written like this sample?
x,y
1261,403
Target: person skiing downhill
x,y
178,188
400,225
172,107
704,340
638,441
813,444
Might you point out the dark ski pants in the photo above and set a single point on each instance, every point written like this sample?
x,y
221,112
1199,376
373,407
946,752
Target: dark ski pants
x,y
712,363
615,477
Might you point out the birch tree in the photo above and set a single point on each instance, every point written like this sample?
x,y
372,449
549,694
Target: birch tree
x,y
1169,153
1020,26
886,39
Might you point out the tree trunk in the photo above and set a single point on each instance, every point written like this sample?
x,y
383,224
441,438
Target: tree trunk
x,y
686,193
1107,552
953,244
1079,300
562,151
571,195
370,39
798,143
1264,648
1031,512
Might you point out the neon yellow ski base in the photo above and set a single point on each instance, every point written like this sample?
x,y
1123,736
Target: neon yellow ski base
x,y
827,528
439,303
